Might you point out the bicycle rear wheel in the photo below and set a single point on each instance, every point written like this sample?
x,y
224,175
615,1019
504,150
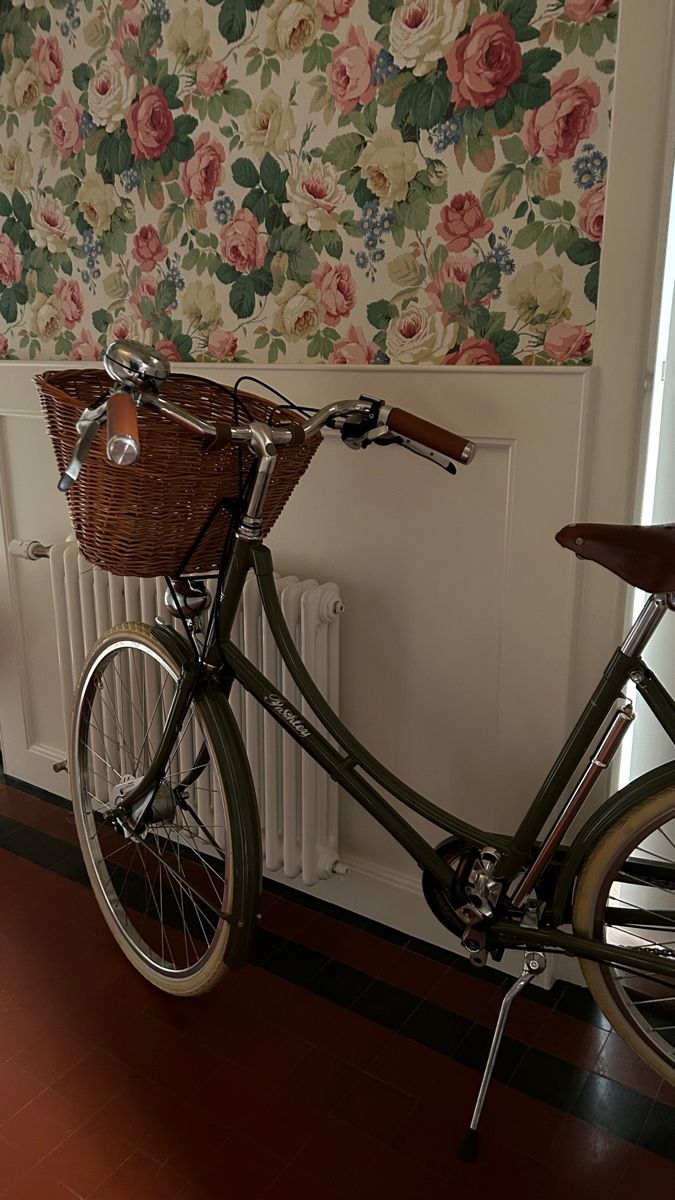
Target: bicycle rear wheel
x,y
625,896
179,893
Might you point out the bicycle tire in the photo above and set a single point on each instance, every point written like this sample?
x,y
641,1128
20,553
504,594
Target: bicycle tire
x,y
612,986
188,871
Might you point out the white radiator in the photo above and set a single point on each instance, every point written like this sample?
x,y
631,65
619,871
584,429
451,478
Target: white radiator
x,y
298,802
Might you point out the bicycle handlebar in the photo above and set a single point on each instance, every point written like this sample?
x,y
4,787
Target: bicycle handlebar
x,y
434,437
123,439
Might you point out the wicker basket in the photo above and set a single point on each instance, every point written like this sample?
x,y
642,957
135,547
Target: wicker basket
x,y
143,519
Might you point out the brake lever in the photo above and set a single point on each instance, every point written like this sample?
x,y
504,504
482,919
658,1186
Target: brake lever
x,y
394,439
88,426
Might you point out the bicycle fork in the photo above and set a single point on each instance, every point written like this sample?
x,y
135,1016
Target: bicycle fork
x,y
533,965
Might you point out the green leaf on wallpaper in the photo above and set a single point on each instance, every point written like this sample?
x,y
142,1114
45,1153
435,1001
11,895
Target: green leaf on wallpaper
x,y
321,343
583,252
101,319
380,10
612,25
483,279
5,205
592,36
391,89
514,151
539,62
568,210
114,153
501,188
261,279
9,308
273,177
591,283
545,239
528,235
570,38
235,100
452,298
519,12
482,151
532,93
82,73
21,209
165,295
232,20
170,223
302,259
245,172
149,33
563,238
504,110
227,273
606,66
551,210
381,312
425,101
362,193
66,188
43,18
242,296
342,151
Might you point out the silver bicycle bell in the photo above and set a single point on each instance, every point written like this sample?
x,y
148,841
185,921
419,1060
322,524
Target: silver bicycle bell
x,y
134,365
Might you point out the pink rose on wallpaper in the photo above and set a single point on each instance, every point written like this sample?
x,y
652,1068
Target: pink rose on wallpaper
x,y
337,291
71,303
169,350
10,262
473,352
333,11
583,10
211,77
129,4
150,124
203,173
46,53
565,341
350,72
4,345
222,344
454,270
558,126
129,29
146,289
462,222
147,248
65,126
355,347
85,349
484,63
592,212
242,244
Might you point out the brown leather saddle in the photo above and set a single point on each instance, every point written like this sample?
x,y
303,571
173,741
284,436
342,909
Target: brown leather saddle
x,y
643,555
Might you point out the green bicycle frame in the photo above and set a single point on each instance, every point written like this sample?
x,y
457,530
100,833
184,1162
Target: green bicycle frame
x,y
361,774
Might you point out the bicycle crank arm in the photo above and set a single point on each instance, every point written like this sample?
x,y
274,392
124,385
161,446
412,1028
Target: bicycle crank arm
x,y
578,947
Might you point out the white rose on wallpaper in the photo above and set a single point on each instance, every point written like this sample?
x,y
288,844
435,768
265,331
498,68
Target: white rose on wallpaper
x,y
15,167
388,164
299,311
23,85
124,328
292,26
269,125
423,30
109,96
186,37
200,305
97,201
417,336
46,319
51,227
539,296
315,198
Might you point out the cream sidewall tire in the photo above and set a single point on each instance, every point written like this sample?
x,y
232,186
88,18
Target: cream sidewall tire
x,y
214,968
593,875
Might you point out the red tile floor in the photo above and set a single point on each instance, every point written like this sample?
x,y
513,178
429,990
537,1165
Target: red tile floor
x,y
268,1089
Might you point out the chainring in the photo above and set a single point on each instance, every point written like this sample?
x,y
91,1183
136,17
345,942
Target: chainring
x,y
444,902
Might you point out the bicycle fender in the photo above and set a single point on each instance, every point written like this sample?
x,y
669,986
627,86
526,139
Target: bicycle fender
x,y
597,825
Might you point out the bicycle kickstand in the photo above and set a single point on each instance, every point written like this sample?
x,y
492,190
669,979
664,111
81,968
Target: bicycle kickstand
x,y
533,965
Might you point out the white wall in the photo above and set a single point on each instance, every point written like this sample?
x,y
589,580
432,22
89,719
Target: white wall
x,y
470,638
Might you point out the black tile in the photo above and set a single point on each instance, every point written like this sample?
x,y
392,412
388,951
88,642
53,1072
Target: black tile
x,y
613,1106
304,899
428,950
72,867
435,1027
546,1078
474,1048
265,944
657,1133
296,963
32,844
339,983
487,974
577,1002
388,1005
385,932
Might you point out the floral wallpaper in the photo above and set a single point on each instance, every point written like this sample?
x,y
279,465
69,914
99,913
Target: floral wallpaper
x,y
346,181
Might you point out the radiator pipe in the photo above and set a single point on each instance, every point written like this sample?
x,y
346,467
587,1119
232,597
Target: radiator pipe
x,y
30,550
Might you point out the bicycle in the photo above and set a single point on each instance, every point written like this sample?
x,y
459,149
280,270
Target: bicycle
x,y
164,801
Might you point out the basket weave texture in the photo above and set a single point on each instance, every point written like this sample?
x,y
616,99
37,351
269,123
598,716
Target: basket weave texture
x,y
142,519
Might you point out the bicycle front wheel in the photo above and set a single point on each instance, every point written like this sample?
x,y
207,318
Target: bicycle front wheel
x,y
625,896
170,889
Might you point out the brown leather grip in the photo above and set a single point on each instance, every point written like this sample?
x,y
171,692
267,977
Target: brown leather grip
x,y
222,436
453,445
123,434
